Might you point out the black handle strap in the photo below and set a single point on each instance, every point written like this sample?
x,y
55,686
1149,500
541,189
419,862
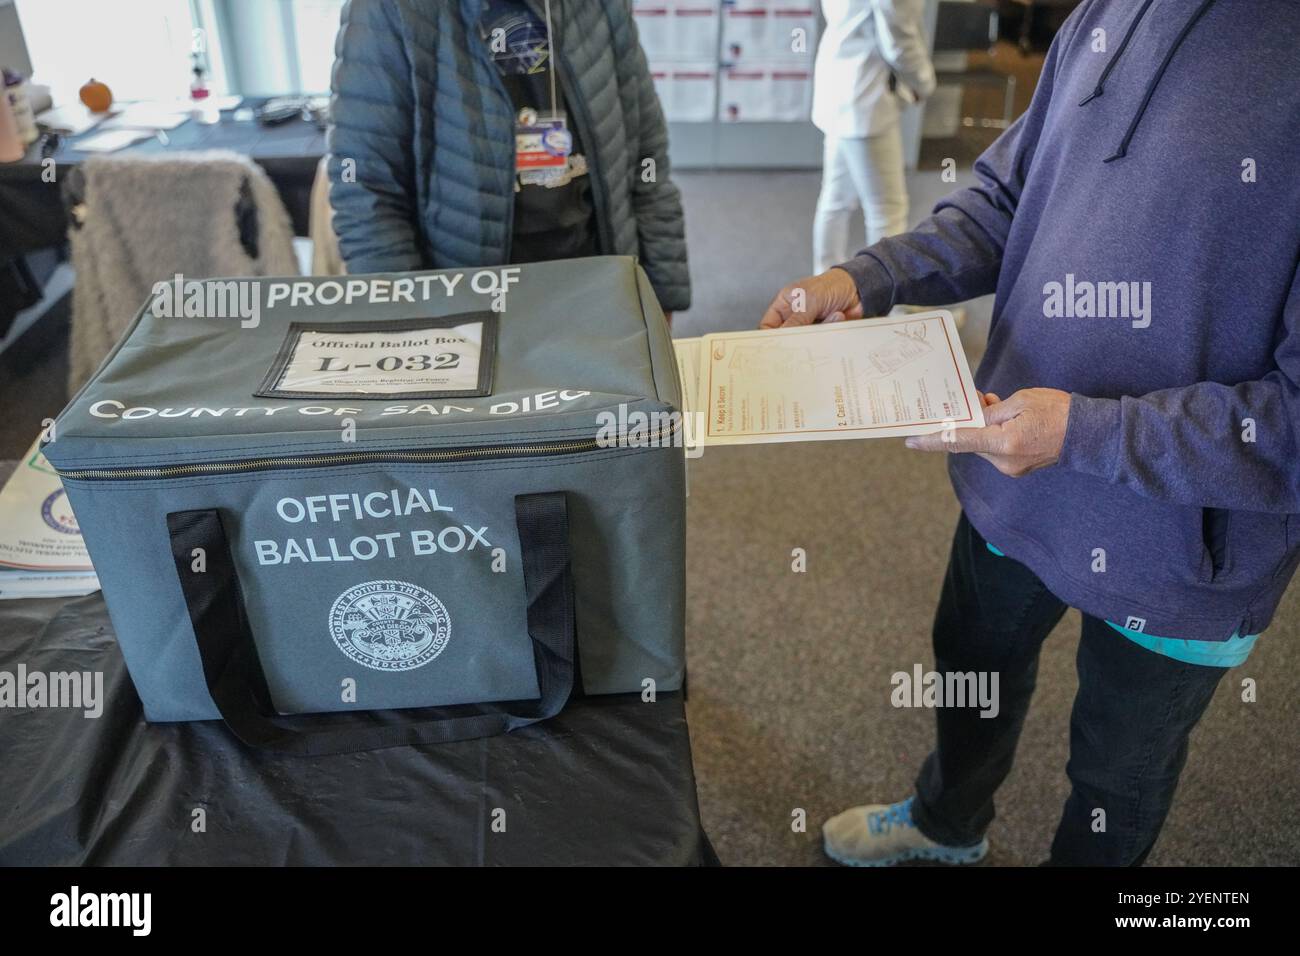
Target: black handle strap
x,y
238,686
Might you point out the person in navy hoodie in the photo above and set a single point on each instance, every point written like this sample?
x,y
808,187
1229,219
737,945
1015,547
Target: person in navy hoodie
x,y
1140,226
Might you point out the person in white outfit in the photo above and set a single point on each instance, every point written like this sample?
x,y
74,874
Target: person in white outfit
x,y
872,62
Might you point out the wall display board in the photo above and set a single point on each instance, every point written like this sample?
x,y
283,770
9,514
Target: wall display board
x,y
735,79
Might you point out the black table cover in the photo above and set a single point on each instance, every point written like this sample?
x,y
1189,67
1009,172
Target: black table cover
x,y
607,782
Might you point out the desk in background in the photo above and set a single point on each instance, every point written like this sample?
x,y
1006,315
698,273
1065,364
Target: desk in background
x,y
32,213
32,210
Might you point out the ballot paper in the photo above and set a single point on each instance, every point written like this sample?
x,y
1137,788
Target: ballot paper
x,y
687,352
871,378
41,550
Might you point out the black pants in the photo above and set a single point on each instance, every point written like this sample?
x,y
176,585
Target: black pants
x,y
1128,730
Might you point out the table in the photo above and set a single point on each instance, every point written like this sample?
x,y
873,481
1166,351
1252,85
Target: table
x,y
32,210
608,781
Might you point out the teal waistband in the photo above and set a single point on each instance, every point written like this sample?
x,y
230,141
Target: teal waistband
x,y
1227,653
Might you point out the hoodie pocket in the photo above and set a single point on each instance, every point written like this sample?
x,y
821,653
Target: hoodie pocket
x,y
1214,538
1243,548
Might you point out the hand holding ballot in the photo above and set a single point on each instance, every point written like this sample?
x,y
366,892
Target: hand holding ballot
x,y
829,297
1020,435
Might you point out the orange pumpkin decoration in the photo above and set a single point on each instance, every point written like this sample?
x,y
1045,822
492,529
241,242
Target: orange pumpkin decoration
x,y
97,97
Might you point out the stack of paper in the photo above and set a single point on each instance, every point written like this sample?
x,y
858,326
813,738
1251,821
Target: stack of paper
x,y
111,140
41,550
149,116
72,119
871,378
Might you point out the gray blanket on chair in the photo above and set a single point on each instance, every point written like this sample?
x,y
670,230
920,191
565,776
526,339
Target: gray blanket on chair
x,y
136,221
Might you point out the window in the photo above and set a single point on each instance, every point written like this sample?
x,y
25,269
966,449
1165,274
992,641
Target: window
x,y
142,51
275,47
316,24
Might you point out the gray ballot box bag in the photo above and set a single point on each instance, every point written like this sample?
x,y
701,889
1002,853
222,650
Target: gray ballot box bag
x,y
382,492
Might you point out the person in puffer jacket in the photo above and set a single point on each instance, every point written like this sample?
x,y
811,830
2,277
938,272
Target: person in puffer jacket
x,y
466,133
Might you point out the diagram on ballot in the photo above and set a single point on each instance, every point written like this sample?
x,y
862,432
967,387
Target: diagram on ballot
x,y
770,358
908,344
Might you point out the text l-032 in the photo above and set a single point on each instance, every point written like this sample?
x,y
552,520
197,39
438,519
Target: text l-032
x,y
393,363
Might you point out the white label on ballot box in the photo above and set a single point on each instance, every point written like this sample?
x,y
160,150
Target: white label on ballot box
x,y
433,359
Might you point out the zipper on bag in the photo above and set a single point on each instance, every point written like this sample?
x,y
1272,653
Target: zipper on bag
x,y
274,463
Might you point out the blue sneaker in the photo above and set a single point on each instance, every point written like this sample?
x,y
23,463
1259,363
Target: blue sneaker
x,y
885,834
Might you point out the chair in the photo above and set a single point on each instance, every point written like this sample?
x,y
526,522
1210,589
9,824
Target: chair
x,y
135,221
325,258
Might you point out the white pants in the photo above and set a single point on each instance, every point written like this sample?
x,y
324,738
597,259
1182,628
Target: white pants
x,y
860,170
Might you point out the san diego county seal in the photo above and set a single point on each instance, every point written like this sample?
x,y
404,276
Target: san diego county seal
x,y
389,625
57,513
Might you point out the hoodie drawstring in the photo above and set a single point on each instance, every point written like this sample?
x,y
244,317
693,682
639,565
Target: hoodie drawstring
x,y
1122,149
1114,60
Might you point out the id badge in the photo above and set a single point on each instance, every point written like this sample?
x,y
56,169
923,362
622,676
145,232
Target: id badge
x,y
541,143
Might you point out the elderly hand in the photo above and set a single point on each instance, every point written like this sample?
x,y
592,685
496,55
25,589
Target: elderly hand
x,y
1021,435
828,297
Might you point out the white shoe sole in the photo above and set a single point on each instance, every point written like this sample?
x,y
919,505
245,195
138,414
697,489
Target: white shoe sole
x,y
955,856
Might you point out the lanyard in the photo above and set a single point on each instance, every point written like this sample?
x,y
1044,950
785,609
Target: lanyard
x,y
550,52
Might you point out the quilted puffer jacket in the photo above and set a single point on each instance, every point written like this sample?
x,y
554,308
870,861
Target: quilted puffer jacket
x,y
421,112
